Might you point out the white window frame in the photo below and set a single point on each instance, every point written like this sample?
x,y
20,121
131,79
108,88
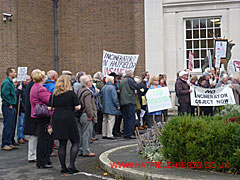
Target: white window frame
x,y
199,70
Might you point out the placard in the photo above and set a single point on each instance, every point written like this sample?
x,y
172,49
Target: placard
x,y
211,97
118,63
221,48
158,99
22,74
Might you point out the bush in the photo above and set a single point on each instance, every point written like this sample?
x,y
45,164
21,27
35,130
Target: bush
x,y
202,139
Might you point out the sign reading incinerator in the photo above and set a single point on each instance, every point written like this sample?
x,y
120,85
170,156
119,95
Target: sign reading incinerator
x,y
211,97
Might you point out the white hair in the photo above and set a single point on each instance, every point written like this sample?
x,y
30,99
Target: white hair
x,y
51,74
98,75
223,76
137,79
84,80
110,78
207,70
128,72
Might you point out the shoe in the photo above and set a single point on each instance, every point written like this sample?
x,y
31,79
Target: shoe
x,y
26,140
89,155
15,144
94,139
104,137
14,147
111,138
44,166
72,171
141,128
31,161
7,148
21,141
132,137
52,154
65,170
126,137
117,135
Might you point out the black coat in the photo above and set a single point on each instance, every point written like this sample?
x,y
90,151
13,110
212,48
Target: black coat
x,y
30,127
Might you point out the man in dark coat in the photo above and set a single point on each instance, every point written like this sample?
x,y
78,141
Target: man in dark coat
x,y
30,127
183,91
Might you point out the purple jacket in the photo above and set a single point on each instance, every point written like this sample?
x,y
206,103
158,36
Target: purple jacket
x,y
43,97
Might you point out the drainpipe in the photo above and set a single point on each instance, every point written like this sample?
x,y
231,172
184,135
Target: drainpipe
x,y
56,58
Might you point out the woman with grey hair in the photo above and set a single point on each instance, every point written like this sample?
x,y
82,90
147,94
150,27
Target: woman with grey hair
x,y
223,80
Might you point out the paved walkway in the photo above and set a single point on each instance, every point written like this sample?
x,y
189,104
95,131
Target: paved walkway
x,y
14,164
128,154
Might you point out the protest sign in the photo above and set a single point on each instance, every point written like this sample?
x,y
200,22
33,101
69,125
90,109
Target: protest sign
x,y
211,97
158,99
236,65
118,63
22,74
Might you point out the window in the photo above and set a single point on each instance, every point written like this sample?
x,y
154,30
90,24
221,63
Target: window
x,y
199,38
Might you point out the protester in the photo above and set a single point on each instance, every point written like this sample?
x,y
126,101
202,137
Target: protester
x,y
65,101
68,74
88,117
146,77
50,82
207,77
111,108
127,102
193,80
98,81
77,85
40,94
162,83
9,99
21,93
223,81
183,92
236,87
30,126
156,115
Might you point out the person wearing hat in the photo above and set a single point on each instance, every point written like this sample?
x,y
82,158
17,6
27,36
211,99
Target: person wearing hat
x,y
183,91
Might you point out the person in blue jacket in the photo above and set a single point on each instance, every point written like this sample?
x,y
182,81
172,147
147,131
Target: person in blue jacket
x,y
51,81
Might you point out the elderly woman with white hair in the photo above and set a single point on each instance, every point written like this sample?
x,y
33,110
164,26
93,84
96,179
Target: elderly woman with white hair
x,y
223,80
111,108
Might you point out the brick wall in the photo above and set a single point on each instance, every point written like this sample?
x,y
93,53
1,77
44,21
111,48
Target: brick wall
x,y
86,28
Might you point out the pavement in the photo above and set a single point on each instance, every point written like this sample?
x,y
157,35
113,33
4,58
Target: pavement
x,y
14,164
128,154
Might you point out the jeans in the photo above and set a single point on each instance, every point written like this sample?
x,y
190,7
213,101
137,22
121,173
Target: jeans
x,y
8,124
20,126
129,118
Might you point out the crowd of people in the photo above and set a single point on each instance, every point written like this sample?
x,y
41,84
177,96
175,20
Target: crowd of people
x,y
208,79
76,108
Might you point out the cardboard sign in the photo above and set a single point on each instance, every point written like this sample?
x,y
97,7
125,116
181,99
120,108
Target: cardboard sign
x,y
211,97
118,63
22,74
158,99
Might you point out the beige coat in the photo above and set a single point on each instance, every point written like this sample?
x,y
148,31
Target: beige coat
x,y
236,92
87,100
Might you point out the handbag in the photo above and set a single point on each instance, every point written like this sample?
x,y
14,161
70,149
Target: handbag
x,y
49,127
41,110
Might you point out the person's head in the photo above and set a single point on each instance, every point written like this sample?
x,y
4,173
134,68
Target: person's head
x,y
62,85
137,79
161,79
86,81
53,75
11,72
154,80
146,75
235,77
183,75
193,79
79,75
68,74
28,79
38,76
129,73
178,74
15,82
206,75
224,78
202,81
120,76
98,76
110,79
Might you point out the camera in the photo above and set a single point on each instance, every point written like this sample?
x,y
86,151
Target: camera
x,y
6,16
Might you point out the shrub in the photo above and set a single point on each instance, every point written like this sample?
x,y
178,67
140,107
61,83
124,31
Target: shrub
x,y
202,139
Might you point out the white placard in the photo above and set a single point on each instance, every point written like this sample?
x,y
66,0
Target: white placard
x,y
158,99
221,48
218,60
22,74
118,63
211,97
236,65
